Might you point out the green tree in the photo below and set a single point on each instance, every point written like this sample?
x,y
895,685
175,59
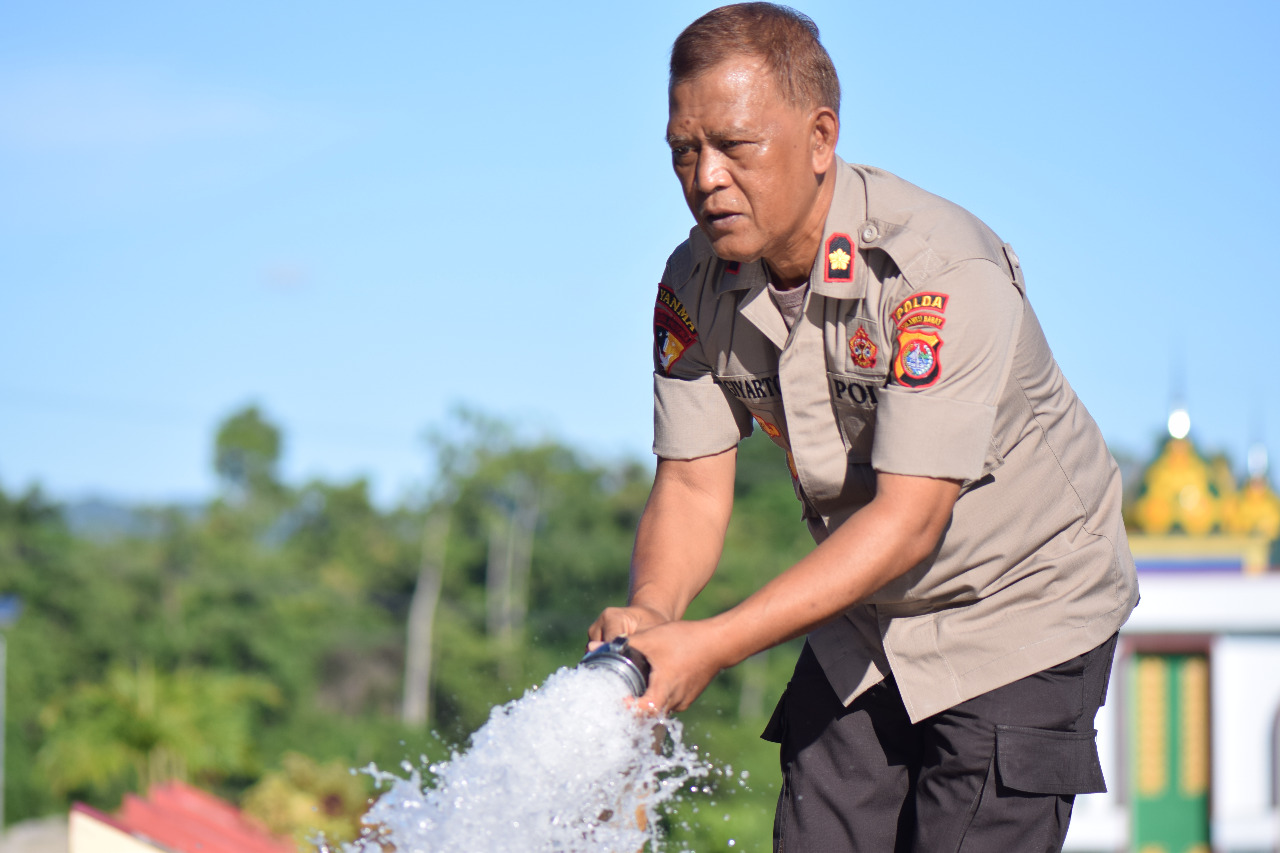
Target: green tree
x,y
559,526
138,727
307,590
247,453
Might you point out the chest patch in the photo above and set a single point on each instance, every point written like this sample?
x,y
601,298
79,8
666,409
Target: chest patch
x,y
673,330
862,349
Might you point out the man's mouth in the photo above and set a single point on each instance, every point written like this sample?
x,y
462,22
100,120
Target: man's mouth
x,y
720,220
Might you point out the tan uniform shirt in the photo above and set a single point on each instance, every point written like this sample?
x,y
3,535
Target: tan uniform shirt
x,y
917,353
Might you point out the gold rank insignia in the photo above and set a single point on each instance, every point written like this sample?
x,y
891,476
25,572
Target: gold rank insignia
x,y
839,265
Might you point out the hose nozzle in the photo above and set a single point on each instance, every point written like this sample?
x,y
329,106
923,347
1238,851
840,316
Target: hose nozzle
x,y
618,657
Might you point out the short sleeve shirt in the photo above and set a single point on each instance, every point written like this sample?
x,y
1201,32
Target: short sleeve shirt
x,y
916,353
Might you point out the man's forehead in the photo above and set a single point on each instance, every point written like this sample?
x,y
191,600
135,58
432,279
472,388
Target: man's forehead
x,y
740,73
736,92
733,63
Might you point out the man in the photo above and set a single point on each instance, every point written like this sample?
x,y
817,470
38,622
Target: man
x,y
971,569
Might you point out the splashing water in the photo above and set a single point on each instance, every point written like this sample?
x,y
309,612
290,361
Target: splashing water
x,y
568,767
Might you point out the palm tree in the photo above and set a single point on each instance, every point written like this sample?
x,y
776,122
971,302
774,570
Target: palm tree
x,y
139,727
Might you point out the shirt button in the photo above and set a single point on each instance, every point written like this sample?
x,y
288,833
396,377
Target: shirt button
x,y
869,234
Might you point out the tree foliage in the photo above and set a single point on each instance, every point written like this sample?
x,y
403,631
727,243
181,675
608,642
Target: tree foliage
x,y
246,454
139,727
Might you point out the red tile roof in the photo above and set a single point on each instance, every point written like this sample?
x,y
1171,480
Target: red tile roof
x,y
178,818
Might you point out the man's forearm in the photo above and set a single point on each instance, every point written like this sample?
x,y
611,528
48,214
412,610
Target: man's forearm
x,y
877,544
883,540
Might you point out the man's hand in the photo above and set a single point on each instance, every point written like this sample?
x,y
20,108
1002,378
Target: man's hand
x,y
623,622
684,657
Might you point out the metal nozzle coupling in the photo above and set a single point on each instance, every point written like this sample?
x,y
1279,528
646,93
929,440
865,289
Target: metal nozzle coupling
x,y
618,657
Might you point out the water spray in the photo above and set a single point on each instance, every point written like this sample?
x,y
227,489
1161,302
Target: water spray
x,y
569,767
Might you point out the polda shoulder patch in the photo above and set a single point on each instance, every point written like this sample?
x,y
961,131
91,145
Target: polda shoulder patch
x,y
922,309
919,318
673,330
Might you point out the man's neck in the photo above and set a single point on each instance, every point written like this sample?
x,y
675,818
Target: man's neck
x,y
795,265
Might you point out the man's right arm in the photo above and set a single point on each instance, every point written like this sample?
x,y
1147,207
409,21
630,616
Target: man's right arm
x,y
678,543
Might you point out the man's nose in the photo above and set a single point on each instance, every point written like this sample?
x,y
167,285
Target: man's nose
x,y
711,172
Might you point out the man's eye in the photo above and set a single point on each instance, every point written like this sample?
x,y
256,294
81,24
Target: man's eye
x,y
682,153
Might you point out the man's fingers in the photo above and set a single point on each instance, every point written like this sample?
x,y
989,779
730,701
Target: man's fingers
x,y
618,622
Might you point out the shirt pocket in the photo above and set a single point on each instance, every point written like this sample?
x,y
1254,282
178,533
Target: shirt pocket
x,y
854,399
857,368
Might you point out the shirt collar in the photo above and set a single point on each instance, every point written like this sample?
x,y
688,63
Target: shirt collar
x,y
836,271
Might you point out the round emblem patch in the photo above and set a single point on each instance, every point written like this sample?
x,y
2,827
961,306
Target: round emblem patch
x,y
918,359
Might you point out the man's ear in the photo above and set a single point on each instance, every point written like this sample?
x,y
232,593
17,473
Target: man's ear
x,y
825,133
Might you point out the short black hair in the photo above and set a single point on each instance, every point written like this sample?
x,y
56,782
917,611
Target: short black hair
x,y
785,39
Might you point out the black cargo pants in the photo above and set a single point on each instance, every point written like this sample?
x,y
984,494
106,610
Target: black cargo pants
x,y
996,774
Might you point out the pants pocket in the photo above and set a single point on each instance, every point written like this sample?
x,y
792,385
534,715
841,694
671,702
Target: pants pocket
x,y
1044,761
776,727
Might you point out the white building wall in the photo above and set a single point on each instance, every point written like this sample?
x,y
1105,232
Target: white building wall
x,y
1245,690
1242,614
87,834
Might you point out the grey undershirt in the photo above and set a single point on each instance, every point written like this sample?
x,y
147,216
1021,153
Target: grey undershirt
x,y
789,302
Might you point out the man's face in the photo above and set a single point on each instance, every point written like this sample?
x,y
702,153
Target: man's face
x,y
744,157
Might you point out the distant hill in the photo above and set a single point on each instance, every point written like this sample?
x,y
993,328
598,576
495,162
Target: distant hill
x,y
105,519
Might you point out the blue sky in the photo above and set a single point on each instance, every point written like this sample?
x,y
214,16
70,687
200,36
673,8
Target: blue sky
x,y
361,216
